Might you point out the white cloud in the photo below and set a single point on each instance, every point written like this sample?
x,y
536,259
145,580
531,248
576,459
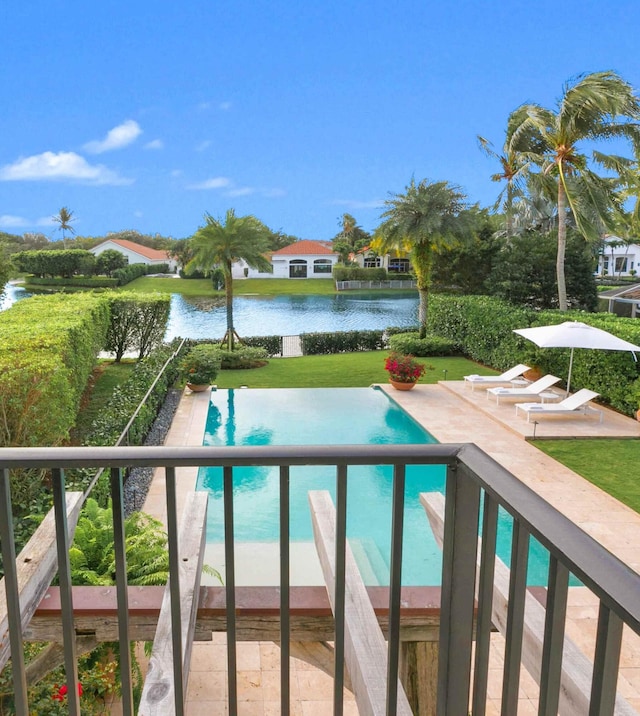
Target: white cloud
x,y
355,204
9,221
45,221
138,214
176,173
215,183
225,106
116,138
50,166
203,145
240,191
154,144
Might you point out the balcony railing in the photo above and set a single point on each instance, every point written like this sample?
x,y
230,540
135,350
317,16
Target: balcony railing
x,y
476,486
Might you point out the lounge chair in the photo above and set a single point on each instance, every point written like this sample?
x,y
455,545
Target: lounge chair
x,y
576,403
488,380
533,389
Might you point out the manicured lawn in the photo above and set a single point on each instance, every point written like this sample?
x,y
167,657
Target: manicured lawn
x,y
611,465
191,287
101,384
241,287
344,370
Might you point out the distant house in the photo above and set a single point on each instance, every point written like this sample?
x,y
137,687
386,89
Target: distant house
x,y
135,253
302,259
393,262
618,258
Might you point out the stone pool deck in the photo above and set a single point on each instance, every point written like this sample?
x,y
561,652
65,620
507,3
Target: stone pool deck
x,y
452,413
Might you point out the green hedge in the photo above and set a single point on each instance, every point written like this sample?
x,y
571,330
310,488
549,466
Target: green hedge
x,y
128,273
341,342
483,328
42,262
75,282
357,273
138,322
430,345
271,344
48,348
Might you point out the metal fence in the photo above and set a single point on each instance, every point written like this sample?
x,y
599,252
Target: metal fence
x,y
476,486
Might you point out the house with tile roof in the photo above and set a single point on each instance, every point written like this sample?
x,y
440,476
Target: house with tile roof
x,y
302,259
135,253
619,257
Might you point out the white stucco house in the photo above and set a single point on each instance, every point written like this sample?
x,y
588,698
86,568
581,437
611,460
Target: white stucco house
x,y
302,259
618,258
135,253
367,258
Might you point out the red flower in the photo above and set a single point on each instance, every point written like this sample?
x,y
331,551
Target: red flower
x,y
61,693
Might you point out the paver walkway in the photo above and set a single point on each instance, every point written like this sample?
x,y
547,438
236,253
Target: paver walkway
x,y
452,413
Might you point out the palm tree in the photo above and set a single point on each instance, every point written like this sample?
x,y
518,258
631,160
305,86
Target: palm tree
x,y
220,243
64,217
351,239
427,218
597,106
514,171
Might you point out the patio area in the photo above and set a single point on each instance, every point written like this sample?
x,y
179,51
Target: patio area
x,y
453,414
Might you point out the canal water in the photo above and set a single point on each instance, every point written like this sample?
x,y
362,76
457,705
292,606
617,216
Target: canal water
x,y
279,315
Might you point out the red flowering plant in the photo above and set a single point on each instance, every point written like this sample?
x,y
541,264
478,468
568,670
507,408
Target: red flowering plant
x,y
405,368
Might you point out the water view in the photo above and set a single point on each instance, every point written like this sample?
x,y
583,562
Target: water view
x,y
278,315
291,315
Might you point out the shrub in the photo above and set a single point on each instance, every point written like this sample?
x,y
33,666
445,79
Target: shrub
x,y
357,273
271,344
128,273
242,357
430,345
404,368
42,263
75,282
138,322
341,342
201,364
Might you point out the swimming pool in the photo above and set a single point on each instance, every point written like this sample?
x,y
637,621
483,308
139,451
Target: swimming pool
x,y
331,416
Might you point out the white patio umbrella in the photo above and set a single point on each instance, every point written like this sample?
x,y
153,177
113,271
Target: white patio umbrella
x,y
573,334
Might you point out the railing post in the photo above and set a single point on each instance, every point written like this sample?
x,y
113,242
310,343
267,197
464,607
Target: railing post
x,y
7,543
458,582
66,594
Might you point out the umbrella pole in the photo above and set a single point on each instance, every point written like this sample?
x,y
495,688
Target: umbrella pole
x,y
570,369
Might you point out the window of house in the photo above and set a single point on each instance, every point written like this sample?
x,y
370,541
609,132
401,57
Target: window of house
x,y
322,266
372,262
621,264
399,265
298,268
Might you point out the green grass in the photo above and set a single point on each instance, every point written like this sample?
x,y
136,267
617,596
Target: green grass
x,y
242,287
611,465
248,286
343,370
105,378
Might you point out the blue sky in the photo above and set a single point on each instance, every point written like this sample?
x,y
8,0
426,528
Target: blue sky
x,y
140,115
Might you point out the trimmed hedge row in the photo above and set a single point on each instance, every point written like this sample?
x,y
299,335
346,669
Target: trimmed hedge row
x,y
75,281
138,322
430,345
48,347
271,344
341,342
483,326
357,273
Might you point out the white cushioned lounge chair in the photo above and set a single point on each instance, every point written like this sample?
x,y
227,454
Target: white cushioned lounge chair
x,y
576,403
489,380
533,390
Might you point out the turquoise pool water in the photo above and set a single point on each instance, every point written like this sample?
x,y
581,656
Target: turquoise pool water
x,y
331,416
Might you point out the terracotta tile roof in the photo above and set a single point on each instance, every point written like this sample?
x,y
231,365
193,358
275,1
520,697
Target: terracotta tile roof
x,y
145,251
305,248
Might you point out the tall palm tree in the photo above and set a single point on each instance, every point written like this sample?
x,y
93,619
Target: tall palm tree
x,y
428,218
514,170
64,217
219,243
598,106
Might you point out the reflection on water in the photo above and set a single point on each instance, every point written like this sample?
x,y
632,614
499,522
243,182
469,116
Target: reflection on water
x,y
205,317
292,315
12,293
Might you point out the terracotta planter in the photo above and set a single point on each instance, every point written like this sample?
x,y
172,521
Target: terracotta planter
x,y
401,386
197,387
